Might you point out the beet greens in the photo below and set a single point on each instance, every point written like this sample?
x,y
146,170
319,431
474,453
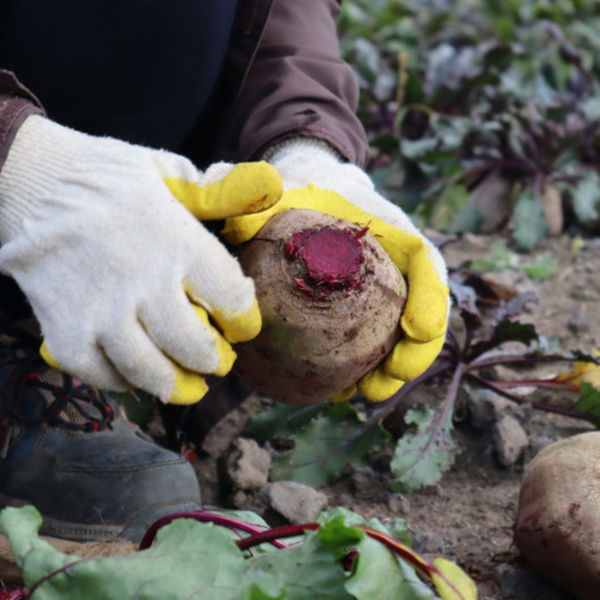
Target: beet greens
x,y
208,555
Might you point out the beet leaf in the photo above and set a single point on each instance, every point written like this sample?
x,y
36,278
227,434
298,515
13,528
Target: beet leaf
x,y
209,556
425,453
589,401
321,447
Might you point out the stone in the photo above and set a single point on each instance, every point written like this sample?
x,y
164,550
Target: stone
x,y
509,440
242,500
516,584
296,502
398,504
485,408
247,465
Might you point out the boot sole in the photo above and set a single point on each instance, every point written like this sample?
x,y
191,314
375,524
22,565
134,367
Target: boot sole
x,y
81,532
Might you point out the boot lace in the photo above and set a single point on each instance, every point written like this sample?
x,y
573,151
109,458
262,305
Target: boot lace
x,y
66,398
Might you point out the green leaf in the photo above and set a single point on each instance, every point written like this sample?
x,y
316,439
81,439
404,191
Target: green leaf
x,y
468,220
501,259
591,109
397,528
139,406
366,58
449,206
280,421
529,223
308,570
424,454
350,517
418,148
188,560
538,268
541,267
320,450
586,198
336,534
501,327
377,575
589,400
514,331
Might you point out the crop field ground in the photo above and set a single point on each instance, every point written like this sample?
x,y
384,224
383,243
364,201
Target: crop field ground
x,y
468,516
483,117
484,123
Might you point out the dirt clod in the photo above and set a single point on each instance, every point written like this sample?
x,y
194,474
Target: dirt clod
x,y
509,439
296,502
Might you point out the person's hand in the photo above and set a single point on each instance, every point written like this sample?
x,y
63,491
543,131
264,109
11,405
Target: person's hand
x,y
315,178
129,288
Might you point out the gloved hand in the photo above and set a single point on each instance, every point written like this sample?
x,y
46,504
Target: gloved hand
x,y
129,288
315,178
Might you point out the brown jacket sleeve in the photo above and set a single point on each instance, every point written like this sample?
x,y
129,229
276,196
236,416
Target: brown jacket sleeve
x,y
16,104
296,85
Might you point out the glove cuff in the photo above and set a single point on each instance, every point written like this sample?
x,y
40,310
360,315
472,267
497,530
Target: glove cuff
x,y
40,151
317,149
303,161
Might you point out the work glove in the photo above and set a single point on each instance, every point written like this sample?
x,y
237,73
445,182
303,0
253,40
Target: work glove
x,y
314,177
129,288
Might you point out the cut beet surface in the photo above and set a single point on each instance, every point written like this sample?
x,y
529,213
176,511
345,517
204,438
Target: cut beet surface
x,y
332,258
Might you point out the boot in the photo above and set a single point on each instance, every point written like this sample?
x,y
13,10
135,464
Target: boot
x,y
67,448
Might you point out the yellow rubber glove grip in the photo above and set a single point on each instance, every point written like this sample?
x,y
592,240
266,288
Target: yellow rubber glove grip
x,y
239,327
188,389
243,228
49,357
345,394
223,349
399,245
189,386
408,359
426,310
248,188
377,385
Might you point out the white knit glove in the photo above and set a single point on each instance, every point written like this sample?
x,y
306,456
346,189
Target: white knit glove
x,y
129,288
314,177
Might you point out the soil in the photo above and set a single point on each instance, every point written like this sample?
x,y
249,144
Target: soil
x,y
468,516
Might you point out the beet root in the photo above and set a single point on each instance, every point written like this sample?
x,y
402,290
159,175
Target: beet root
x,y
557,530
331,300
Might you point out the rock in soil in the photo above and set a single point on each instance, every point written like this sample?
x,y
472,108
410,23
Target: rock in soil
x,y
247,465
296,502
472,522
485,408
509,440
516,584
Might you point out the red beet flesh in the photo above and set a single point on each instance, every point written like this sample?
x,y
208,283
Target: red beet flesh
x,y
332,257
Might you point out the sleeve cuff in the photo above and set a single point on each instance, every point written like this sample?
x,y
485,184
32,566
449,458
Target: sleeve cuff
x,y
16,104
313,146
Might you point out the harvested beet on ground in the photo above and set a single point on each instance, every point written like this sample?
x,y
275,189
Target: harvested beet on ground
x,y
331,300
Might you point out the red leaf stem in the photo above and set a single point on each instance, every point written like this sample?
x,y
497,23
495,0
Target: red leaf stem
x,y
275,534
203,517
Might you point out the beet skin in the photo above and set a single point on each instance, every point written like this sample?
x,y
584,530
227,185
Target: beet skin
x,y
331,300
